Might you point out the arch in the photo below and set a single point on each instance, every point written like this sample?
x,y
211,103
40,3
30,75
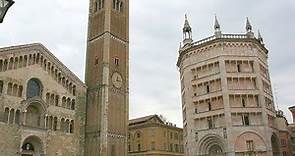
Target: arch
x,y
55,123
72,125
56,100
240,143
63,101
10,65
17,117
73,106
1,65
9,89
14,90
32,145
20,64
11,116
5,65
62,125
35,113
68,103
6,115
1,87
15,63
34,88
20,91
67,126
211,144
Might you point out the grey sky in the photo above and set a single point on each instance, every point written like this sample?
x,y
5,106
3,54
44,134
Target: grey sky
x,y
155,33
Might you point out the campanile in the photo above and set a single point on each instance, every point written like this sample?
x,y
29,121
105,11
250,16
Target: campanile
x,y
107,77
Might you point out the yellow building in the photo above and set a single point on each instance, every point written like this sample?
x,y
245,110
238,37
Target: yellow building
x,y
152,136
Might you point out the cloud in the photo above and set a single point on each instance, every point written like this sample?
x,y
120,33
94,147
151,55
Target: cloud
x,y
155,33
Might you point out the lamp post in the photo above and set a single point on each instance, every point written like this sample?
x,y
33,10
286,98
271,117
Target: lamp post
x,y
4,6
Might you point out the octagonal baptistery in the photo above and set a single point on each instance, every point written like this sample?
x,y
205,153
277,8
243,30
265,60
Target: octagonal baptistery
x,y
227,100
42,104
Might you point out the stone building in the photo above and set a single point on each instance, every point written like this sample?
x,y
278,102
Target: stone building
x,y
42,104
43,107
291,128
152,136
284,134
107,78
227,99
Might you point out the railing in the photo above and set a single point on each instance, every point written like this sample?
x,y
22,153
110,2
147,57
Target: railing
x,y
224,36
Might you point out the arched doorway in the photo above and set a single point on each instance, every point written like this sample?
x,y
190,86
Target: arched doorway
x,y
32,146
215,150
275,145
211,145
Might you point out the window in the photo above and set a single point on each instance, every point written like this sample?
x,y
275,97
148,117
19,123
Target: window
x,y
1,87
250,145
245,120
138,135
96,61
239,68
196,110
118,5
210,124
34,88
208,89
116,61
138,147
243,102
209,106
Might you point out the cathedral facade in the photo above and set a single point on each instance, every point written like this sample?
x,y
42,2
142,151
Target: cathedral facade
x,y
45,109
42,105
227,100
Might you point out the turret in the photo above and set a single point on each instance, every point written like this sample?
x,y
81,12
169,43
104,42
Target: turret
x,y
187,32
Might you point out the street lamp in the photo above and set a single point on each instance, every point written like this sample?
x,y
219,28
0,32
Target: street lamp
x,y
4,6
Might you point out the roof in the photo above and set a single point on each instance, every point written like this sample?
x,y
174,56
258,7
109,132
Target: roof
x,y
42,49
141,119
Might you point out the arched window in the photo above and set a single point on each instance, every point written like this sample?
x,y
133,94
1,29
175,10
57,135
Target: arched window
x,y
34,88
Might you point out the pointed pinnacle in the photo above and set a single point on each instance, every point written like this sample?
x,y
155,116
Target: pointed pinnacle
x,y
248,25
216,24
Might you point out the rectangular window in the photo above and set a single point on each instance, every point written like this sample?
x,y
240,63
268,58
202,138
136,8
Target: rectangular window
x,y
116,61
245,119
208,89
250,145
210,124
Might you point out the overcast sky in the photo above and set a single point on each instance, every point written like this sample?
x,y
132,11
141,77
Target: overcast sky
x,y
155,33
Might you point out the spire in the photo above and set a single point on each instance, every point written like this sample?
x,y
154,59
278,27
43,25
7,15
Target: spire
x,y
187,32
260,37
186,27
216,24
217,28
248,25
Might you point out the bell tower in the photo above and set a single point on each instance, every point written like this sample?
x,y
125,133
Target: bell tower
x,y
107,78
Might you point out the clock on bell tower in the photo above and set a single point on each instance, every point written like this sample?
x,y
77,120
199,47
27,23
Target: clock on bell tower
x,y
107,78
